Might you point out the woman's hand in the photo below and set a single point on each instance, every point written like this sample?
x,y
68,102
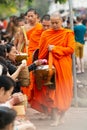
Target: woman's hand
x,y
16,98
40,62
23,64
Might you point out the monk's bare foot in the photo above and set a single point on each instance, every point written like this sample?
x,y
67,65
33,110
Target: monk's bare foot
x,y
57,117
61,122
61,119
55,123
44,116
58,122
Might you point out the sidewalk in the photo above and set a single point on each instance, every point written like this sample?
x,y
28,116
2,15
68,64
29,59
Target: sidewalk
x,y
82,87
82,77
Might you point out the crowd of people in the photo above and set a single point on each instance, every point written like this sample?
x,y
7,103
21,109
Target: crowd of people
x,y
41,37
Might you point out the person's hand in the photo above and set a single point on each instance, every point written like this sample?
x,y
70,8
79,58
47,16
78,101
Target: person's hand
x,y
50,47
16,98
40,62
23,64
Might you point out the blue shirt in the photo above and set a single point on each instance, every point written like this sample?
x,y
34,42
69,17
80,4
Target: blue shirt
x,y
80,31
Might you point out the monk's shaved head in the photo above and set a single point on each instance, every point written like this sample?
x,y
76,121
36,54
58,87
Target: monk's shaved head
x,y
56,21
56,15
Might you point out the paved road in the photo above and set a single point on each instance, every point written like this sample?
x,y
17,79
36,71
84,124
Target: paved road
x,y
83,77
85,52
75,119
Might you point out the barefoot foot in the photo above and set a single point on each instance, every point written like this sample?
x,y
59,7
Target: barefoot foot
x,y
55,123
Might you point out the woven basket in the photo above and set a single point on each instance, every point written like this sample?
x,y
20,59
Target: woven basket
x,y
24,77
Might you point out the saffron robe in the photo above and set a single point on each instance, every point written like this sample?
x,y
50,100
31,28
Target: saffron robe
x,y
34,41
45,100
33,37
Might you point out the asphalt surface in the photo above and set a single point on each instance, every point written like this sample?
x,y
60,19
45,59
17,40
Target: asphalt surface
x,y
75,119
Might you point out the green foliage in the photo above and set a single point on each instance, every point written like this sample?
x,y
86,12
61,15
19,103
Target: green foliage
x,y
6,2
60,1
6,11
42,6
7,8
3,1
10,1
13,7
30,0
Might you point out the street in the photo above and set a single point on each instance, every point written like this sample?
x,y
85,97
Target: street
x,y
75,119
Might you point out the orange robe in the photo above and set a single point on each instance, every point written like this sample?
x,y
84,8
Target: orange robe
x,y
33,37
61,97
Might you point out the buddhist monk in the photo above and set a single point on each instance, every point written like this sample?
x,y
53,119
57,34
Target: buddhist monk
x,y
36,34
33,25
45,21
34,37
60,43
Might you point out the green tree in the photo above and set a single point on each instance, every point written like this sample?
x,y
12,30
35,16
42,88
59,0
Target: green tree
x,y
42,6
12,7
60,1
6,8
11,1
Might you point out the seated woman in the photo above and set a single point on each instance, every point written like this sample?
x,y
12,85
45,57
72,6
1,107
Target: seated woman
x,y
7,115
16,98
7,118
3,51
11,59
7,86
8,67
9,52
